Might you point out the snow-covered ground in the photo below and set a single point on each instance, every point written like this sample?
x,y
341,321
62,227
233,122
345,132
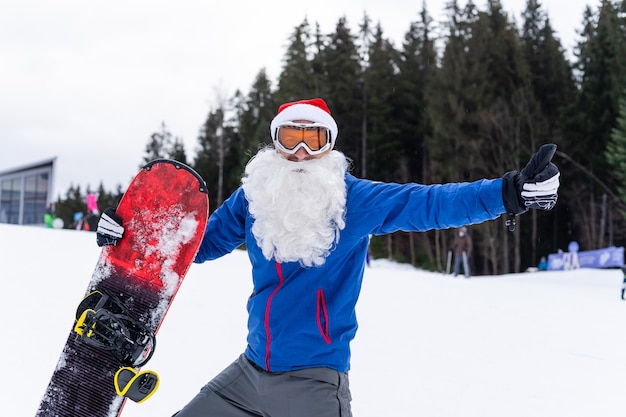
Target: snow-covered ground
x,y
532,344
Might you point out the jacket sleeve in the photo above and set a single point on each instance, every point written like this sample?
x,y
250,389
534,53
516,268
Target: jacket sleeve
x,y
381,208
225,229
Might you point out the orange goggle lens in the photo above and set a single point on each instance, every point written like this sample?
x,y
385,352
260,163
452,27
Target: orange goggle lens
x,y
314,137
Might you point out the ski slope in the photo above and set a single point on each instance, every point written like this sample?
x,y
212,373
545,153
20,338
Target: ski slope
x,y
532,344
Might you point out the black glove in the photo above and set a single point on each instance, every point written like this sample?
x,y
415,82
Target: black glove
x,y
535,187
110,229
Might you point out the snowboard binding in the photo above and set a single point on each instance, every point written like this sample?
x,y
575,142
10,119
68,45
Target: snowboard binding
x,y
138,386
102,322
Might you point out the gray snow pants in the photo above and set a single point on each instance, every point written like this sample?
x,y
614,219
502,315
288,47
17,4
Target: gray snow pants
x,y
245,390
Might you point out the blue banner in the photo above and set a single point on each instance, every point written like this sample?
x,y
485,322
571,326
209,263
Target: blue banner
x,y
600,258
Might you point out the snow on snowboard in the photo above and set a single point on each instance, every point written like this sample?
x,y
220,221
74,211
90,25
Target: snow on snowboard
x,y
164,212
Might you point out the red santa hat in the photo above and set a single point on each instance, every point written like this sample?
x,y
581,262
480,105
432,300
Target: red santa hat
x,y
314,110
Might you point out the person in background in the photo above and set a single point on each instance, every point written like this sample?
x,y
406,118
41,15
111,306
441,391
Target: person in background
x,y
543,264
92,203
462,250
90,221
50,215
306,222
624,281
79,221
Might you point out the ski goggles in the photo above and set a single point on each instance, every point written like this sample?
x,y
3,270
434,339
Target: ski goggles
x,y
314,137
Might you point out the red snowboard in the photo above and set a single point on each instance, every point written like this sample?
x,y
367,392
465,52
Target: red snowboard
x,y
164,212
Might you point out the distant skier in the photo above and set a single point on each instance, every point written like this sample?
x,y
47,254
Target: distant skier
x,y
306,223
50,215
79,221
92,203
462,251
624,281
543,264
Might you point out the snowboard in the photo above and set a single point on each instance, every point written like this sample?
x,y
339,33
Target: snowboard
x,y
164,212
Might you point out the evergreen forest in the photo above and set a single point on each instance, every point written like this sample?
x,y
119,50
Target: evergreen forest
x,y
467,98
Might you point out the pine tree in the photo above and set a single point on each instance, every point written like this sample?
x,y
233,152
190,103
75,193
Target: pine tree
x,y
417,68
296,81
554,90
616,154
602,67
162,144
177,151
321,87
482,113
74,202
601,71
159,145
343,77
381,146
253,115
506,117
453,98
551,74
108,199
215,154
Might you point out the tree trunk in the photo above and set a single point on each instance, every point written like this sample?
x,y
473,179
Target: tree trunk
x,y
611,227
602,221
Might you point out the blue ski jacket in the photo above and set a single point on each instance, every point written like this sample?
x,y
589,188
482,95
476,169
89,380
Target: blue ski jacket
x,y
303,317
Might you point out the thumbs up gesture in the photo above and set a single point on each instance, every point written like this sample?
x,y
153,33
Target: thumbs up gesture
x,y
535,187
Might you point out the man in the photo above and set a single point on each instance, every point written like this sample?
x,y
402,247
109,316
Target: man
x,y
306,223
623,268
462,250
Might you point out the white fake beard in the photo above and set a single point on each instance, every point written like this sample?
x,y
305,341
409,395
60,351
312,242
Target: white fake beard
x,y
298,207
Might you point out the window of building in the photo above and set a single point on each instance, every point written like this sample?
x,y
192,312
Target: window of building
x,y
25,193
35,196
10,201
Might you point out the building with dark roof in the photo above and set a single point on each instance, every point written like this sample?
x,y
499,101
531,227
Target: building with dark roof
x,y
26,193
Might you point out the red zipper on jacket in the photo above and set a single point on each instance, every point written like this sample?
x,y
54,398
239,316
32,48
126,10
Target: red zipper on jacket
x,y
268,334
322,316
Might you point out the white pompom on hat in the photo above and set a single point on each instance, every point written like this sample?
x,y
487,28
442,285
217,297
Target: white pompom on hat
x,y
314,110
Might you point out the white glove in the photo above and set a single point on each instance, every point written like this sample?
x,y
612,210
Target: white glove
x,y
110,229
535,187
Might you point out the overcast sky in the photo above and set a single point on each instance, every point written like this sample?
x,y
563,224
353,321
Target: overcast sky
x,y
88,82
